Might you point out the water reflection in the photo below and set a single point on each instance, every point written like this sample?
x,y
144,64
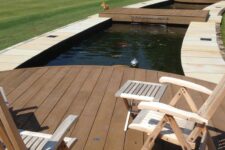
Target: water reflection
x,y
156,47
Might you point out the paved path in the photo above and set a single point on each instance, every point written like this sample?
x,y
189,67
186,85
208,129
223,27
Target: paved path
x,y
201,53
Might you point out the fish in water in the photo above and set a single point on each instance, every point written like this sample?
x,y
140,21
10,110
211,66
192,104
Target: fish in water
x,y
122,44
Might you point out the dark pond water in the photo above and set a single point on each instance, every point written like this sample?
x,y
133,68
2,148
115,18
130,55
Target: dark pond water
x,y
177,5
156,47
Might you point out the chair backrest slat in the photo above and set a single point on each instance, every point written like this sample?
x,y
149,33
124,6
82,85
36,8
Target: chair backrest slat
x,y
208,109
8,127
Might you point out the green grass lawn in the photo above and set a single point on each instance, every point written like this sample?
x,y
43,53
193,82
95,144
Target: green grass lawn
x,y
24,19
223,29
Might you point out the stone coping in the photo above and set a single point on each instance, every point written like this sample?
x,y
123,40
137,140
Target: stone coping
x,y
202,49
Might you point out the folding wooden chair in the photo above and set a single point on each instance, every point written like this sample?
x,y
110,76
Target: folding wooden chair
x,y
178,126
14,139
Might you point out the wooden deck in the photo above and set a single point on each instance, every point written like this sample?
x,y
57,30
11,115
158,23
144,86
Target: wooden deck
x,y
165,16
42,97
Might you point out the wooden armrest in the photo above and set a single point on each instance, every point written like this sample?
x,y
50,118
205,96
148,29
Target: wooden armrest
x,y
170,110
60,133
186,84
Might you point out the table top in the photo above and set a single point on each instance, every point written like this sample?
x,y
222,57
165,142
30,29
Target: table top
x,y
143,91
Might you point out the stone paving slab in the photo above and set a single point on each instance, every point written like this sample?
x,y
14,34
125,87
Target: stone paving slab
x,y
21,52
204,68
200,48
203,76
200,54
14,59
7,66
215,11
203,60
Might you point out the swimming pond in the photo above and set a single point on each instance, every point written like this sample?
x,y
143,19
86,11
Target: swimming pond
x,y
156,47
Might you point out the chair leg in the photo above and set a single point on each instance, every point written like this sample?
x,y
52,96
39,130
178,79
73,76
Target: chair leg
x,y
63,146
210,142
202,145
206,141
149,143
184,144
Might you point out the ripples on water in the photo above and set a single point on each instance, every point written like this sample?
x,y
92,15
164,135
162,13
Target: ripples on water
x,y
156,47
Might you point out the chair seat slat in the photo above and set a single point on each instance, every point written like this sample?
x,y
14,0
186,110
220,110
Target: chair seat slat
x,y
147,120
36,143
27,139
41,145
31,142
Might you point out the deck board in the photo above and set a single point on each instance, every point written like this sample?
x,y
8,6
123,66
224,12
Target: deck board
x,y
49,104
54,118
13,80
88,115
20,100
25,84
42,97
99,130
116,134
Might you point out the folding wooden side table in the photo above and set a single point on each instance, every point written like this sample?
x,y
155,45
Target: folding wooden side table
x,y
139,91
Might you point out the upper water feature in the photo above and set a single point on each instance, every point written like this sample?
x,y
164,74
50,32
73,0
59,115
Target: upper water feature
x,y
177,5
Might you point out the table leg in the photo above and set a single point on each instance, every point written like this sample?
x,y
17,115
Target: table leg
x,y
127,103
129,108
127,121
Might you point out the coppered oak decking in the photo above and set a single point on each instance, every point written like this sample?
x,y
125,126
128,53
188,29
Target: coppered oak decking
x,y
42,97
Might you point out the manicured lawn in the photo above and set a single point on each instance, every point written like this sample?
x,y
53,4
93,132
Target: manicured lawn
x,y
24,19
223,29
